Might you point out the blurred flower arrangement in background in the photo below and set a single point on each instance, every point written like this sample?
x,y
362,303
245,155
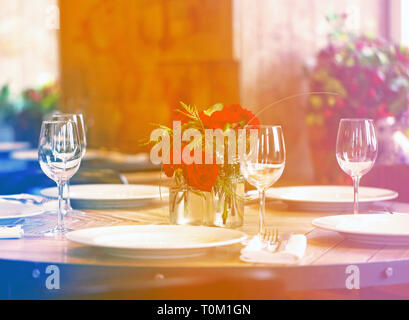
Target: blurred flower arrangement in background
x,y
25,112
369,78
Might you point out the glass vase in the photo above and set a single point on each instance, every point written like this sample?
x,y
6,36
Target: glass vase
x,y
214,209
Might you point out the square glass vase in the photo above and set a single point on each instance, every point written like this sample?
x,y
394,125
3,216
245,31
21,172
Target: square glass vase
x,y
213,209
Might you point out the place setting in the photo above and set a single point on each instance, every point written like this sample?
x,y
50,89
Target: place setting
x,y
203,150
197,224
356,152
206,203
111,196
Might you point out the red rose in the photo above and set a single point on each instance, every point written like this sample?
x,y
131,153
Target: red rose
x,y
169,168
211,122
235,115
219,119
250,118
201,176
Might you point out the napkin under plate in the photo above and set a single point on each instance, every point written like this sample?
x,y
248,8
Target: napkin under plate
x,y
290,252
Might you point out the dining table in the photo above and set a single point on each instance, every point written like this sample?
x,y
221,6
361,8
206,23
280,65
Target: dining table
x,y
88,272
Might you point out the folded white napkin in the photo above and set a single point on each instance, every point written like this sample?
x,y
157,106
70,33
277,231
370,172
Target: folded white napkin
x,y
290,252
15,232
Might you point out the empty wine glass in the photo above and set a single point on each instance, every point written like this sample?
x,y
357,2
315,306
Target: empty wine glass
x,y
59,155
356,150
79,121
264,164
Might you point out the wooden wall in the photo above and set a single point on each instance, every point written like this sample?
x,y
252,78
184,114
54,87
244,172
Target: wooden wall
x,y
128,63
276,41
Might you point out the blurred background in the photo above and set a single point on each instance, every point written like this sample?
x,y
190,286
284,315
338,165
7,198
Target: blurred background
x,y
126,64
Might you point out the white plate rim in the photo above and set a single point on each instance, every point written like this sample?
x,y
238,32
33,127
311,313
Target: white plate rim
x,y
73,234
324,226
27,215
164,194
389,195
32,154
14,146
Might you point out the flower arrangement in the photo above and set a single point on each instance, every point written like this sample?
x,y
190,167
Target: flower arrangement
x,y
216,181
206,176
368,76
43,100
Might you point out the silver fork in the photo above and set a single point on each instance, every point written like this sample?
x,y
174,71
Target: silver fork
x,y
270,238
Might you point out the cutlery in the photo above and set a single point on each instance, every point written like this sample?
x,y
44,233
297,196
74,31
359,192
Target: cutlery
x,y
283,240
270,238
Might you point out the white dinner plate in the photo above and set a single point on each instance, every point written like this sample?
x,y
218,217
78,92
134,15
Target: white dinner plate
x,y
381,229
32,155
322,198
115,196
14,209
156,241
13,146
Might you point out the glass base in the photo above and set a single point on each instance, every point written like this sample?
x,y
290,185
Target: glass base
x,y
69,212
56,232
73,212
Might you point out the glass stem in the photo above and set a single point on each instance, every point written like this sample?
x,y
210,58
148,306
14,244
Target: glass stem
x,y
356,199
67,198
262,196
60,225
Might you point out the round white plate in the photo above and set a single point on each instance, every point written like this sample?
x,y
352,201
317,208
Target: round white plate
x,y
13,209
381,229
104,196
319,198
32,155
156,241
13,146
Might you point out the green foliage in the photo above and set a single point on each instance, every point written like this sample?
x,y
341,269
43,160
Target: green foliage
x,y
36,102
6,106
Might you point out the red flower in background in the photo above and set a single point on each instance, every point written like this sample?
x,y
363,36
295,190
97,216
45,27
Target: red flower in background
x,y
34,95
382,111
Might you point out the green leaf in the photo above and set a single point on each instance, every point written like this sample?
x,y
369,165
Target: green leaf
x,y
4,93
190,110
214,108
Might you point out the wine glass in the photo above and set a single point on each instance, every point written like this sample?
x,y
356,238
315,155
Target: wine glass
x,y
59,155
356,150
264,164
79,121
